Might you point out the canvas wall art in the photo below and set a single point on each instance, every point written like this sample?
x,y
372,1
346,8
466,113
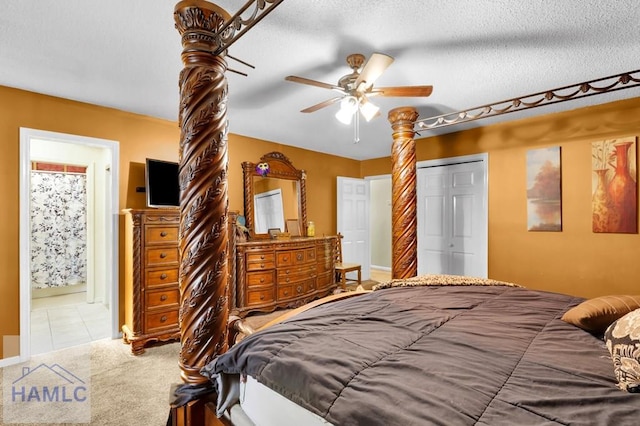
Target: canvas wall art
x,y
614,186
544,190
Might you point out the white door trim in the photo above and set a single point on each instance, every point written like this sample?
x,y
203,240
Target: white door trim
x,y
26,134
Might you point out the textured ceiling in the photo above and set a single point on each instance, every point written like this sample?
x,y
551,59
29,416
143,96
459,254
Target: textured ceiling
x,y
126,55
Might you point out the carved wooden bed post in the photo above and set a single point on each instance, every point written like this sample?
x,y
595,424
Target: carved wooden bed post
x,y
204,236
403,182
203,206
207,31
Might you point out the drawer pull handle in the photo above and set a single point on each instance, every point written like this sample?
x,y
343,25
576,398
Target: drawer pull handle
x,y
261,280
300,256
163,276
286,292
163,234
287,280
163,318
285,258
163,255
262,257
262,297
163,297
299,288
262,265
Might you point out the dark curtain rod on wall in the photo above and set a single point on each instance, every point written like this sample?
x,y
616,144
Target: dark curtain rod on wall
x,y
581,90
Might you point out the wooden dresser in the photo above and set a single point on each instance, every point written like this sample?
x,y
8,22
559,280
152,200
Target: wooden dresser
x,y
287,273
152,295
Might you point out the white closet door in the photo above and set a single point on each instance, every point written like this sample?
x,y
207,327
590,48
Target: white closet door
x,y
452,219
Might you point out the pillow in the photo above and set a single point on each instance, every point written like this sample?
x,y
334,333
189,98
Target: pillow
x,y
595,315
623,341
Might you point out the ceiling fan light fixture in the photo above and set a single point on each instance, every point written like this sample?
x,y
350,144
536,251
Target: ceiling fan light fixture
x,y
344,116
348,106
368,109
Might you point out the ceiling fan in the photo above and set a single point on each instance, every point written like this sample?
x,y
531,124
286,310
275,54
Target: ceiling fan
x,y
356,88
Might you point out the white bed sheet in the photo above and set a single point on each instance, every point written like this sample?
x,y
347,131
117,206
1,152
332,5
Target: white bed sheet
x,y
268,408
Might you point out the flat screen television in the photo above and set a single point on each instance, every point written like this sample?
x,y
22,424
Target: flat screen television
x,y
161,183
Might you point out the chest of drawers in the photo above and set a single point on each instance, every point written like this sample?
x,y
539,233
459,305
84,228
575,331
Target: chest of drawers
x,y
275,274
152,296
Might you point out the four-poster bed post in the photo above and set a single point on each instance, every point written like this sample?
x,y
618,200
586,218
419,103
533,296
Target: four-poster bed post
x,y
403,187
204,235
207,31
203,189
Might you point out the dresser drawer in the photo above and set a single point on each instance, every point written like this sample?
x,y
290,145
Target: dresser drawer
x,y
258,261
290,291
260,278
297,273
162,277
161,235
162,298
325,265
295,257
324,251
259,297
260,256
260,266
310,255
324,280
161,320
161,256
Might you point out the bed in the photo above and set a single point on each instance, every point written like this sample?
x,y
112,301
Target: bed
x,y
435,350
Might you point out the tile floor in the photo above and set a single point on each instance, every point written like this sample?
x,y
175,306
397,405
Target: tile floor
x,y
62,321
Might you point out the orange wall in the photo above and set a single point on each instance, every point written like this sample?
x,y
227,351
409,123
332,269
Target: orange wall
x,y
574,261
139,137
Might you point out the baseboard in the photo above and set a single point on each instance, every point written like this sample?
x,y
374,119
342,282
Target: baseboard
x,y
381,268
9,361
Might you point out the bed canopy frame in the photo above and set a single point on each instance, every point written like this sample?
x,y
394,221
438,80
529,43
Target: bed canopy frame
x,y
207,31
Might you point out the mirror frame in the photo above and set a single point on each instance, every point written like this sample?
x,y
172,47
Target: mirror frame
x,y
280,167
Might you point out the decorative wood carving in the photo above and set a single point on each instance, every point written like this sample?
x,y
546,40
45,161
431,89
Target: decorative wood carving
x,y
403,182
204,236
280,167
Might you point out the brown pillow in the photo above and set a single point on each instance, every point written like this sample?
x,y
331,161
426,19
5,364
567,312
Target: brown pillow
x,y
623,341
596,314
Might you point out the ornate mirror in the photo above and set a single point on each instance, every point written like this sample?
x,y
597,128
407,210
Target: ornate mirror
x,y
275,196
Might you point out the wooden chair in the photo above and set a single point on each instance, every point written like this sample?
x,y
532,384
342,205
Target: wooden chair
x,y
342,268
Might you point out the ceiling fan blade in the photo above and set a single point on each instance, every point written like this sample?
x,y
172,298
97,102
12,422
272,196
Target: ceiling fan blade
x,y
409,91
326,103
310,82
372,69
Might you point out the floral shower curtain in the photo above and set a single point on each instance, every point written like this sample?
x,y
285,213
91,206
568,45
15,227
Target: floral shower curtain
x,y
58,229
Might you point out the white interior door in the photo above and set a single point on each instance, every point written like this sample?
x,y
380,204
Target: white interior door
x,y
268,211
353,222
452,218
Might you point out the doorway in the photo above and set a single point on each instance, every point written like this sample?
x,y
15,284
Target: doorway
x,y
380,211
68,240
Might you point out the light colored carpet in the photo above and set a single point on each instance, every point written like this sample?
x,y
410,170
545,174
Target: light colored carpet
x,y
123,389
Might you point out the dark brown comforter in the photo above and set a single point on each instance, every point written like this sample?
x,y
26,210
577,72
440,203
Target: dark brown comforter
x,y
441,355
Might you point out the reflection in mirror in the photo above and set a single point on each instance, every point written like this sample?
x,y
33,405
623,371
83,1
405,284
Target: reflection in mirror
x,y
274,201
269,212
275,196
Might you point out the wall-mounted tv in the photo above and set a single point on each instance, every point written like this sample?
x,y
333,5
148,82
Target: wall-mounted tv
x,y
161,183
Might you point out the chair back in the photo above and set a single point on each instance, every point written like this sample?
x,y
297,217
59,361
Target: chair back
x,y
339,248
